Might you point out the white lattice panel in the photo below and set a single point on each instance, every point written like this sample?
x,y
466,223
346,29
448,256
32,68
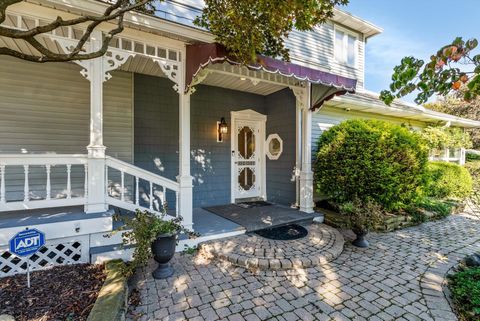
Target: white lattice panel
x,y
55,252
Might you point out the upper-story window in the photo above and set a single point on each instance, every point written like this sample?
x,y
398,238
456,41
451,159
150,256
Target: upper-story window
x,y
345,47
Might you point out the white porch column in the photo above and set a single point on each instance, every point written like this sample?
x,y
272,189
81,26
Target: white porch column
x,y
96,194
306,174
298,149
184,178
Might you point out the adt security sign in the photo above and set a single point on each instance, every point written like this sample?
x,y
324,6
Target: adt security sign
x,y
27,242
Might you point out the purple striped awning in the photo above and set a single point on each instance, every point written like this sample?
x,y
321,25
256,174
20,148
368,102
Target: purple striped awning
x,y
325,85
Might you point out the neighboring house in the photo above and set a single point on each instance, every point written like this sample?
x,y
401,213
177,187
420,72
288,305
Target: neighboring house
x,y
167,117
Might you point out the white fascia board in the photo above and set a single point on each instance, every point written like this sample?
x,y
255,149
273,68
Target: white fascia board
x,y
347,19
415,112
135,19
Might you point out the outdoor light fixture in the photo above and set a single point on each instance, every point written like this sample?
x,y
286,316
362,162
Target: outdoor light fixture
x,y
222,129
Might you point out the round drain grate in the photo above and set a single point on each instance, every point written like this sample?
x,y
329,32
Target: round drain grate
x,y
284,233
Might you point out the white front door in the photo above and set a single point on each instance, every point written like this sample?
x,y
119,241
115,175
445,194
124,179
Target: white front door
x,y
248,160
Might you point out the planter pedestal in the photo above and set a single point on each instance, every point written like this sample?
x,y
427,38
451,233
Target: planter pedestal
x,y
360,241
163,249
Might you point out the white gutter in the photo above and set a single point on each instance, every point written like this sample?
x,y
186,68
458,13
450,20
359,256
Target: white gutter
x,y
405,110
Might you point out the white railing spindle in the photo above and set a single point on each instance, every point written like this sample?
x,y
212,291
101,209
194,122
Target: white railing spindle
x,y
48,185
2,184
137,192
35,185
122,190
107,185
162,197
151,196
85,186
69,181
26,188
176,203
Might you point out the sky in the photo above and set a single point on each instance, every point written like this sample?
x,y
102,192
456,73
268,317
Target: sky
x,y
411,28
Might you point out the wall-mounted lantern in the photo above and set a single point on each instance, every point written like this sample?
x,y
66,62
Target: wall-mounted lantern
x,y
222,129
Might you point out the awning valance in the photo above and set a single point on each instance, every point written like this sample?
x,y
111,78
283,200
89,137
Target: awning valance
x,y
324,85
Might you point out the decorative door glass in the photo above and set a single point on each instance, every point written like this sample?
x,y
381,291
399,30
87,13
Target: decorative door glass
x,y
246,159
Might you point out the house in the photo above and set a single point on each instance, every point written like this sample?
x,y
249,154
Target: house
x,y
166,117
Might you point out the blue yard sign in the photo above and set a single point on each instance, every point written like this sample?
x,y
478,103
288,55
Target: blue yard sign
x,y
27,242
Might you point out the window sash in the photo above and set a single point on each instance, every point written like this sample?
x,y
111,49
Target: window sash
x,y
345,48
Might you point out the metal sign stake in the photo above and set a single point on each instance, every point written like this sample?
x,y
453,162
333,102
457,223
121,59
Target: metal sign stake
x,y
28,272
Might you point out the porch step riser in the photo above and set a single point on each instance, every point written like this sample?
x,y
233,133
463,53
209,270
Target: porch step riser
x,y
115,250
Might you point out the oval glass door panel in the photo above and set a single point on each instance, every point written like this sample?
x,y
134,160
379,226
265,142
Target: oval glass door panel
x,y
246,142
246,178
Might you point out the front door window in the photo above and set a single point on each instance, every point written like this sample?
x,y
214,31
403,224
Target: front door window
x,y
247,159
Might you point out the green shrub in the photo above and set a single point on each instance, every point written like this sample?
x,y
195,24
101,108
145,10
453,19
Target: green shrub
x,y
370,159
470,157
473,168
465,289
447,180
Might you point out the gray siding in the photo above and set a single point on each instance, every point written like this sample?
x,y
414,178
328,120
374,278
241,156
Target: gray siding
x,y
280,108
156,134
211,161
156,129
316,49
45,108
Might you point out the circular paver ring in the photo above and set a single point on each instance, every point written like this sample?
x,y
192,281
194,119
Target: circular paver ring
x,y
322,244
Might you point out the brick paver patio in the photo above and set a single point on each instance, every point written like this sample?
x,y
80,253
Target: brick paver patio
x,y
322,245
400,277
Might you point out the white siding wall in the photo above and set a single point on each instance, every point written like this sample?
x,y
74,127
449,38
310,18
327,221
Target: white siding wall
x,y
44,108
334,116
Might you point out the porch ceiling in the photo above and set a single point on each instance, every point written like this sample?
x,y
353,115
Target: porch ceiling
x,y
242,79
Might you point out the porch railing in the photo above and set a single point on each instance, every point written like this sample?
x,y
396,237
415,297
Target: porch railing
x,y
137,188
41,196
30,181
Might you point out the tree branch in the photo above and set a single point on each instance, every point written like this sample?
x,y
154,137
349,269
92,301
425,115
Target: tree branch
x,y
115,11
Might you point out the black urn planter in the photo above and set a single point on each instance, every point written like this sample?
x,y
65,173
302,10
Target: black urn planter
x,y
163,249
360,241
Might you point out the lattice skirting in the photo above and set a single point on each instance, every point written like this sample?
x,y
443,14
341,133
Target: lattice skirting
x,y
56,252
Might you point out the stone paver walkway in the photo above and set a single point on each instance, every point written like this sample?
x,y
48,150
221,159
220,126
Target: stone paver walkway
x,y
398,278
322,244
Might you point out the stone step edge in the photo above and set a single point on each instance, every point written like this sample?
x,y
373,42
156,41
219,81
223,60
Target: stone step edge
x,y
255,263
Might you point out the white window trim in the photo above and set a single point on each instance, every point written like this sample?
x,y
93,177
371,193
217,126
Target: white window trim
x,y
347,33
267,146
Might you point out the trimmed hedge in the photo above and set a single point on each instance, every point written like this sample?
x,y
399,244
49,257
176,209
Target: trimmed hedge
x,y
371,159
447,180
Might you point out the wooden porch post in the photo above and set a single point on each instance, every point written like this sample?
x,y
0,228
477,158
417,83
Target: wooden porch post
x,y
96,194
185,180
306,174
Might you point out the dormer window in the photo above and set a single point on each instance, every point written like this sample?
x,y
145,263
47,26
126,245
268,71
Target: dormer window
x,y
345,47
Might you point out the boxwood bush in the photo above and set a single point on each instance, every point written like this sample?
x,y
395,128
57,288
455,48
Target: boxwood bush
x,y
447,180
371,159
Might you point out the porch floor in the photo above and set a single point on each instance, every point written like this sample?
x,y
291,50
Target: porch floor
x,y
261,217
205,223
46,216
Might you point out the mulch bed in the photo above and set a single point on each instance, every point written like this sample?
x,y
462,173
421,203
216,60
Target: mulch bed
x,y
60,293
